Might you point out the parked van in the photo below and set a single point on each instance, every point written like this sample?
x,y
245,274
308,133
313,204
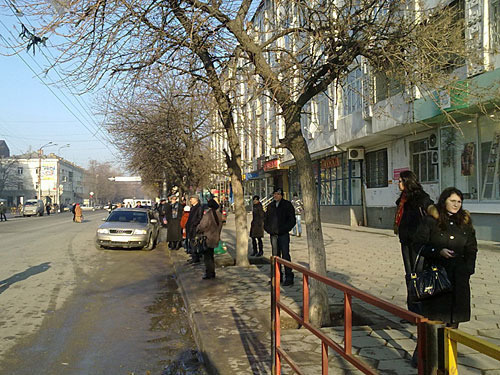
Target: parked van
x,y
33,207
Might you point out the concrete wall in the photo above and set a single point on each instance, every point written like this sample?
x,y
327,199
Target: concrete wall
x,y
346,215
381,217
486,226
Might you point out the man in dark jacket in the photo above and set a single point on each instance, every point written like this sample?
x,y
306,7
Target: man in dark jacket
x,y
278,222
195,215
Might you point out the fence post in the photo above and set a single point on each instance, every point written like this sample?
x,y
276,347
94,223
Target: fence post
x,y
450,353
273,318
434,347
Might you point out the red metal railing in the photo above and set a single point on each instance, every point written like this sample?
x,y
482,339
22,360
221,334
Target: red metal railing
x,y
349,292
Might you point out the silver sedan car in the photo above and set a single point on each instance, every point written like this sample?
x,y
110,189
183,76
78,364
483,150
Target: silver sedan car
x,y
128,228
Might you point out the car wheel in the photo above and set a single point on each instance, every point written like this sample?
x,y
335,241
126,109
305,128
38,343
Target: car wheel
x,y
151,243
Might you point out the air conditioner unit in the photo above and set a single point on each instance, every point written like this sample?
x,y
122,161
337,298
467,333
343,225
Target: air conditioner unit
x,y
356,153
433,140
434,157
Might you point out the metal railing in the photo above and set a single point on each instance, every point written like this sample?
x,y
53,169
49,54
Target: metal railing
x,y
349,292
454,336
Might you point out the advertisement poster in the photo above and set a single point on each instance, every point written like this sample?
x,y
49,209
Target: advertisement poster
x,y
48,173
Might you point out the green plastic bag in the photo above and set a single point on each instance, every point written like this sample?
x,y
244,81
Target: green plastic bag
x,y
221,248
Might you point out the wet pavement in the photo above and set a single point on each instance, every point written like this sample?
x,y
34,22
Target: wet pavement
x,y
231,314
68,308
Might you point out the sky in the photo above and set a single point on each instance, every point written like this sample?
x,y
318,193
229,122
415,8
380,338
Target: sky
x,y
34,113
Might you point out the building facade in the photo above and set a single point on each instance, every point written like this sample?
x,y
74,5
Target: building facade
x,y
361,142
54,179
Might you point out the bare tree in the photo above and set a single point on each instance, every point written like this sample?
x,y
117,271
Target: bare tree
x,y
9,178
410,45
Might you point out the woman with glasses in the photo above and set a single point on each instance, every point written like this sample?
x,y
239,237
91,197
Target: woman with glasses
x,y
411,209
449,239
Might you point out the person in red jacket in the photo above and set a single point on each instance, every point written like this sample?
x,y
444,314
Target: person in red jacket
x,y
184,219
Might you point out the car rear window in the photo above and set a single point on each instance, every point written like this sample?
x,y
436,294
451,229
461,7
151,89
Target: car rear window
x,y
128,217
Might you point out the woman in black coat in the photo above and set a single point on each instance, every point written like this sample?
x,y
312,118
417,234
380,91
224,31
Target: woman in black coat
x,y
448,238
173,214
257,227
411,209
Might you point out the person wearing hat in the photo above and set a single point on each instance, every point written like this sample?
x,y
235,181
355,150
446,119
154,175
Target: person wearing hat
x,y
195,215
173,215
278,222
210,227
257,226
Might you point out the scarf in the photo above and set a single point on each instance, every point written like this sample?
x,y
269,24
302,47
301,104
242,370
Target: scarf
x,y
400,211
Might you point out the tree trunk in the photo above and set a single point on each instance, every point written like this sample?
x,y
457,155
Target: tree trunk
x,y
319,313
240,222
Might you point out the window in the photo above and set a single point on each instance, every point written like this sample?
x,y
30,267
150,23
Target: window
x,y
458,158
305,121
376,169
425,159
19,170
20,186
351,93
385,87
489,188
495,24
70,176
323,106
340,181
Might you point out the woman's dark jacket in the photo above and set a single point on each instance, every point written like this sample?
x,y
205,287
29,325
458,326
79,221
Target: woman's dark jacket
x,y
162,212
413,214
195,215
257,226
174,230
452,307
279,220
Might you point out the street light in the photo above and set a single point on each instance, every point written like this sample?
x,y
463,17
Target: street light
x,y
40,151
58,169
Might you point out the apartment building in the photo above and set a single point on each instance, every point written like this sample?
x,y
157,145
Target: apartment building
x,y
361,141
51,177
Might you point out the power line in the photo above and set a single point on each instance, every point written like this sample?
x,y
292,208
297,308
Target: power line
x,y
52,91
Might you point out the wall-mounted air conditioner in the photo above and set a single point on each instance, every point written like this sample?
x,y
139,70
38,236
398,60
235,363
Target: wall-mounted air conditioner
x,y
356,153
433,140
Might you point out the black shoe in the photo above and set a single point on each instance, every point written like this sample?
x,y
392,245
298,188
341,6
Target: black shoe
x,y
288,282
207,277
254,253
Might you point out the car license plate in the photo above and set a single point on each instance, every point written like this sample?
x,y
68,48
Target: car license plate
x,y
119,239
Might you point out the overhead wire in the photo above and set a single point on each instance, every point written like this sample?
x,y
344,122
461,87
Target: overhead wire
x,y
52,91
93,132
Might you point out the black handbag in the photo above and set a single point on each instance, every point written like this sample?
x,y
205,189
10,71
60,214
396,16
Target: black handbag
x,y
431,281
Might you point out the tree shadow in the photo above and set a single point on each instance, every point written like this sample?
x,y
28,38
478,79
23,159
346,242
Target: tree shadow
x,y
6,283
257,353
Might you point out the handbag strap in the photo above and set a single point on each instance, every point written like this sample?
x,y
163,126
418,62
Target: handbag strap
x,y
418,259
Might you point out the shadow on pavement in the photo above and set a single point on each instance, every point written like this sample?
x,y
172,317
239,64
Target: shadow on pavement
x,y
5,284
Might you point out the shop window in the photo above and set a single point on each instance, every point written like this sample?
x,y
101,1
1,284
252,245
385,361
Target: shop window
x,y
489,131
376,169
425,159
340,181
458,158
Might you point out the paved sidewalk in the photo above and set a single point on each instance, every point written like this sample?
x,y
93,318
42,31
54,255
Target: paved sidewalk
x,y
231,314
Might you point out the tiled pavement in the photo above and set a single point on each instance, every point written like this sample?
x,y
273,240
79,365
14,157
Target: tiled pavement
x,y
231,314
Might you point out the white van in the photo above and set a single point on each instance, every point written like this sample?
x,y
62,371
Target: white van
x,y
33,207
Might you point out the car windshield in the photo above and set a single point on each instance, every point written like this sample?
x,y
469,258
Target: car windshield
x,y
29,203
128,216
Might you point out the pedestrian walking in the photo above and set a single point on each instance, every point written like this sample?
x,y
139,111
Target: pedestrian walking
x,y
411,209
72,209
78,213
3,210
195,215
47,209
173,215
278,222
209,229
257,227
299,209
162,218
447,237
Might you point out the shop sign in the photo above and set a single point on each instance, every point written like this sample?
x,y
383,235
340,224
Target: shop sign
x,y
271,164
330,162
397,172
251,176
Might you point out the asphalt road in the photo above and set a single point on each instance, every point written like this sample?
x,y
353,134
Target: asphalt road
x,y
68,308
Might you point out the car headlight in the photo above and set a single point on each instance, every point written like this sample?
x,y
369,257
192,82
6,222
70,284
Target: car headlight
x,y
103,231
140,231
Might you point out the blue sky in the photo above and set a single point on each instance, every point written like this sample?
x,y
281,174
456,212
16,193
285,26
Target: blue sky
x,y
31,115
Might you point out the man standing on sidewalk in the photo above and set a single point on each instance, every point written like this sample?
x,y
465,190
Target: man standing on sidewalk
x,y
195,215
278,222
